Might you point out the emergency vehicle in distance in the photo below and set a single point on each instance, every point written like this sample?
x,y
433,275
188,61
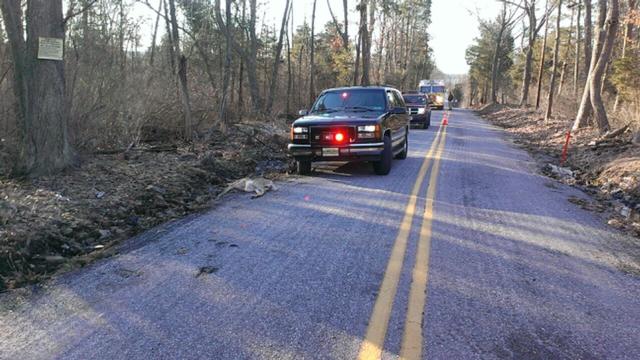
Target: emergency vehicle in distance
x,y
435,90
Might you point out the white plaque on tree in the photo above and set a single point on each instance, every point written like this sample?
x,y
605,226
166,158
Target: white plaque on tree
x,y
50,49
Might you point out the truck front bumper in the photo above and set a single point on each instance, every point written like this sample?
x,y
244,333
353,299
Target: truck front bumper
x,y
351,152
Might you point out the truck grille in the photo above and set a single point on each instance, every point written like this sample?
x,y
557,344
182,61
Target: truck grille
x,y
322,134
413,111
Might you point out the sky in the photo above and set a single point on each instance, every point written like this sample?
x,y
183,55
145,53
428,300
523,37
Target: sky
x,y
454,24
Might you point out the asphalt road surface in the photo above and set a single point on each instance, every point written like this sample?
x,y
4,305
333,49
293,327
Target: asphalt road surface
x,y
462,252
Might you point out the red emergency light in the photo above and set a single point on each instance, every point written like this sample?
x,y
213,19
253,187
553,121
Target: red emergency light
x,y
339,137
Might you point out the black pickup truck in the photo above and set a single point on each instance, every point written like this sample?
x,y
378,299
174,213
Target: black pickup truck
x,y
352,124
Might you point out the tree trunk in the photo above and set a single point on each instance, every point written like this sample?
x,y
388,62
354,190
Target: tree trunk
x,y
628,31
181,61
556,59
39,86
227,72
300,81
289,71
526,79
345,10
586,107
241,74
576,69
565,62
344,33
155,34
276,59
542,59
365,40
381,44
312,85
250,55
610,29
588,37
356,67
496,54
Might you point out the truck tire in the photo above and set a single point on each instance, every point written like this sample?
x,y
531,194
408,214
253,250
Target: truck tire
x,y
405,149
303,167
383,166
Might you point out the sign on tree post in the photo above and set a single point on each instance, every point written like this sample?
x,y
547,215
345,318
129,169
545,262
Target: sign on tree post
x,y
50,49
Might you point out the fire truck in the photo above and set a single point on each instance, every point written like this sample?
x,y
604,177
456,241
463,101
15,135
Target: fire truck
x,y
436,90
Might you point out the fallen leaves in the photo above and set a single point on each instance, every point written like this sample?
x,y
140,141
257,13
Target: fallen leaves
x,y
606,165
56,221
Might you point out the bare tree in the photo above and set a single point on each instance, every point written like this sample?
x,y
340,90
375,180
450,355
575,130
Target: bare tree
x,y
588,36
276,59
365,43
592,97
39,86
565,62
506,21
610,30
248,55
155,33
181,61
543,55
628,33
289,67
342,31
227,69
585,108
533,28
312,85
356,66
576,68
556,59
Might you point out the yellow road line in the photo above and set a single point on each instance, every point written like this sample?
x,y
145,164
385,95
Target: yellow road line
x,y
413,338
371,347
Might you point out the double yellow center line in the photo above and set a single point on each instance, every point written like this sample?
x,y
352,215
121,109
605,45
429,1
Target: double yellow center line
x,y
412,340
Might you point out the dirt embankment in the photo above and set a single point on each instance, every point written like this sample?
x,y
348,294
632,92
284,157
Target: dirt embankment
x,y
606,166
65,221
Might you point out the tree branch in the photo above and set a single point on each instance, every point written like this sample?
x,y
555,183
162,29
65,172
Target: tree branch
x,y
71,14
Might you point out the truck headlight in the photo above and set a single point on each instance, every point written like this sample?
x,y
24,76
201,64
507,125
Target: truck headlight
x,y
299,133
369,132
421,111
440,98
367,128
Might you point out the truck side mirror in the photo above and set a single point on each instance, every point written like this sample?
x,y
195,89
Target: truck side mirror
x,y
303,112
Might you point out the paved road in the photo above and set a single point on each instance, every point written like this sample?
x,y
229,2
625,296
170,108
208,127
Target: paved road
x,y
336,266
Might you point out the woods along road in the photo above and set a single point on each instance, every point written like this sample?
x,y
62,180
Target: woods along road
x,y
462,252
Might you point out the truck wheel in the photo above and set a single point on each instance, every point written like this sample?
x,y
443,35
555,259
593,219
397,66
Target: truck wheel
x,y
405,149
383,166
303,167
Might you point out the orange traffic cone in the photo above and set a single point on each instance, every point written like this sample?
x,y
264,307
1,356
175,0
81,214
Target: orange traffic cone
x,y
445,119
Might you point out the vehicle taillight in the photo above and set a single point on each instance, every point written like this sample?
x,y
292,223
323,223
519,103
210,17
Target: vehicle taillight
x,y
339,137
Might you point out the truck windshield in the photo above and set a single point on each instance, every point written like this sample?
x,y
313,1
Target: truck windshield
x,y
415,99
350,100
432,89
